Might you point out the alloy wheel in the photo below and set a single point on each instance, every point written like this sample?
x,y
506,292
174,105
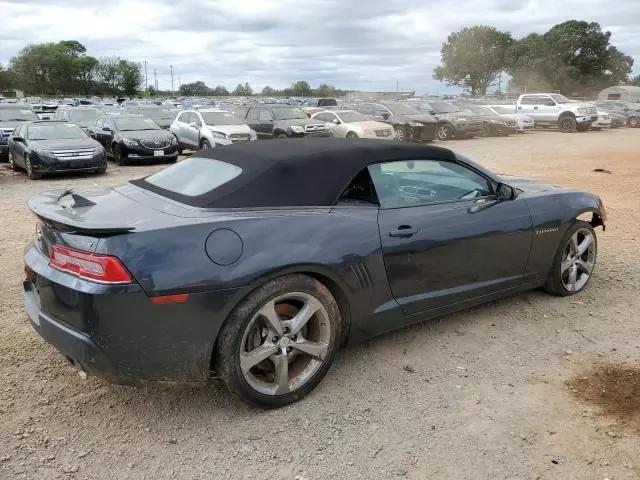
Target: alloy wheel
x,y
285,344
634,122
443,132
205,145
578,260
12,163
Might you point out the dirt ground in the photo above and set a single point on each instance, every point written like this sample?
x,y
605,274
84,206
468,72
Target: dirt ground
x,y
531,387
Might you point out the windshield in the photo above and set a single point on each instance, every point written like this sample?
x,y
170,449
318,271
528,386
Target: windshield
x,y
503,110
136,123
292,113
85,116
194,176
16,115
220,118
55,131
351,117
560,98
444,107
158,114
400,108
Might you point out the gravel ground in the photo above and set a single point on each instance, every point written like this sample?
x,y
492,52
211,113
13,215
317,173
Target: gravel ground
x,y
530,387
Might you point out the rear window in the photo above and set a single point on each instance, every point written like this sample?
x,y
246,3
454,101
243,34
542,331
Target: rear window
x,y
194,176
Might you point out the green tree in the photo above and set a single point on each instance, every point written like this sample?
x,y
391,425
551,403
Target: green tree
x,y
109,74
572,57
220,91
473,58
268,91
635,81
301,89
248,91
7,78
86,70
195,89
130,75
325,90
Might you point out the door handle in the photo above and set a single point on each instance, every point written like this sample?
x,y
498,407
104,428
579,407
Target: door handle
x,y
535,108
403,231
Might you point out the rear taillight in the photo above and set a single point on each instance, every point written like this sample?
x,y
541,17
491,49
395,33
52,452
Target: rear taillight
x,y
89,266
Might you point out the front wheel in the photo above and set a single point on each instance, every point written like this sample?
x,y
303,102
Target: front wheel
x,y
12,163
352,135
574,261
567,124
118,157
205,145
445,132
634,122
280,342
30,173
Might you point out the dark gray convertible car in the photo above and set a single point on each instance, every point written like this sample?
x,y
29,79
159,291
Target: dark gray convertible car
x,y
255,262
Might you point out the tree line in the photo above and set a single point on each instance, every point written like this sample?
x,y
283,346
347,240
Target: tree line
x,y
301,88
64,68
574,57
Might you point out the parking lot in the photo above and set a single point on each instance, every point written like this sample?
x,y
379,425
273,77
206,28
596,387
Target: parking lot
x,y
528,387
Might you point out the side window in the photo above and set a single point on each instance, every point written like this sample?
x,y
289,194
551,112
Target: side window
x,y
253,114
366,109
184,116
325,117
99,123
196,117
528,100
381,111
17,131
265,115
415,182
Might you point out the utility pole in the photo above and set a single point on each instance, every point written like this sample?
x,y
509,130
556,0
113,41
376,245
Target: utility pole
x,y
155,79
397,90
172,91
146,86
179,84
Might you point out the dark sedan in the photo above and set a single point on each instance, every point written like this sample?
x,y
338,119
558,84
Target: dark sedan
x,y
129,138
493,125
453,121
45,147
409,124
255,262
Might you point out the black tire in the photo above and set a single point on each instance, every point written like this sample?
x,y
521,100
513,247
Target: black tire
x,y
118,159
634,122
352,135
30,173
101,170
280,136
555,284
445,132
567,124
486,130
12,164
230,340
205,144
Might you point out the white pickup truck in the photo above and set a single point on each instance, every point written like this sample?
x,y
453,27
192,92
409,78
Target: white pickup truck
x,y
553,109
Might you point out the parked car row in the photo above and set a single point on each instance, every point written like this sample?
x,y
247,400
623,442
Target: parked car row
x,y
141,131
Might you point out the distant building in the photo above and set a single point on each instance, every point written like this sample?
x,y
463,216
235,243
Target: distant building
x,y
12,94
625,92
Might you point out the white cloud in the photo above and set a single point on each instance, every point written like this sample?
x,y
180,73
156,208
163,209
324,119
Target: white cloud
x,y
350,43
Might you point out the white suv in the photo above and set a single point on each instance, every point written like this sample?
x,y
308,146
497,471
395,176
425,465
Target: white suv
x,y
553,109
209,127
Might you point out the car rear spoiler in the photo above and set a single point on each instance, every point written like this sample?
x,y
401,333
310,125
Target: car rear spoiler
x,y
73,214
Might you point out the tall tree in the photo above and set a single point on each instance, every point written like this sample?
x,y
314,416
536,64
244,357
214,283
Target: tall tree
x,y
195,89
110,74
572,57
86,70
7,78
268,91
635,81
242,90
301,89
248,91
473,58
220,91
325,90
130,74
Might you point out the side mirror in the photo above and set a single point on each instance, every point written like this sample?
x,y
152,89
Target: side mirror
x,y
106,129
386,116
18,139
336,121
193,125
505,192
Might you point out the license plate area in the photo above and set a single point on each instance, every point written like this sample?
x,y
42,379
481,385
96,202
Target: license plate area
x,y
158,153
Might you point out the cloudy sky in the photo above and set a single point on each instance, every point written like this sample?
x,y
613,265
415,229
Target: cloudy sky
x,y
353,44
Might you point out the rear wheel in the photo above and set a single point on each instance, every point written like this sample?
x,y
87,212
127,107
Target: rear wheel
x,y
118,157
486,130
574,261
205,145
280,342
634,122
281,135
352,135
399,134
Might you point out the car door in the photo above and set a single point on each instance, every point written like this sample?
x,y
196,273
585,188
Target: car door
x,y
191,130
96,132
107,136
266,122
329,123
547,109
445,236
251,119
180,123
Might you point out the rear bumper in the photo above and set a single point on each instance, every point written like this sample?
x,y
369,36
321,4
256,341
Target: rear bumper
x,y
116,332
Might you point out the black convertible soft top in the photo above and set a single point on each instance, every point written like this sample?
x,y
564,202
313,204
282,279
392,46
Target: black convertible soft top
x,y
297,172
